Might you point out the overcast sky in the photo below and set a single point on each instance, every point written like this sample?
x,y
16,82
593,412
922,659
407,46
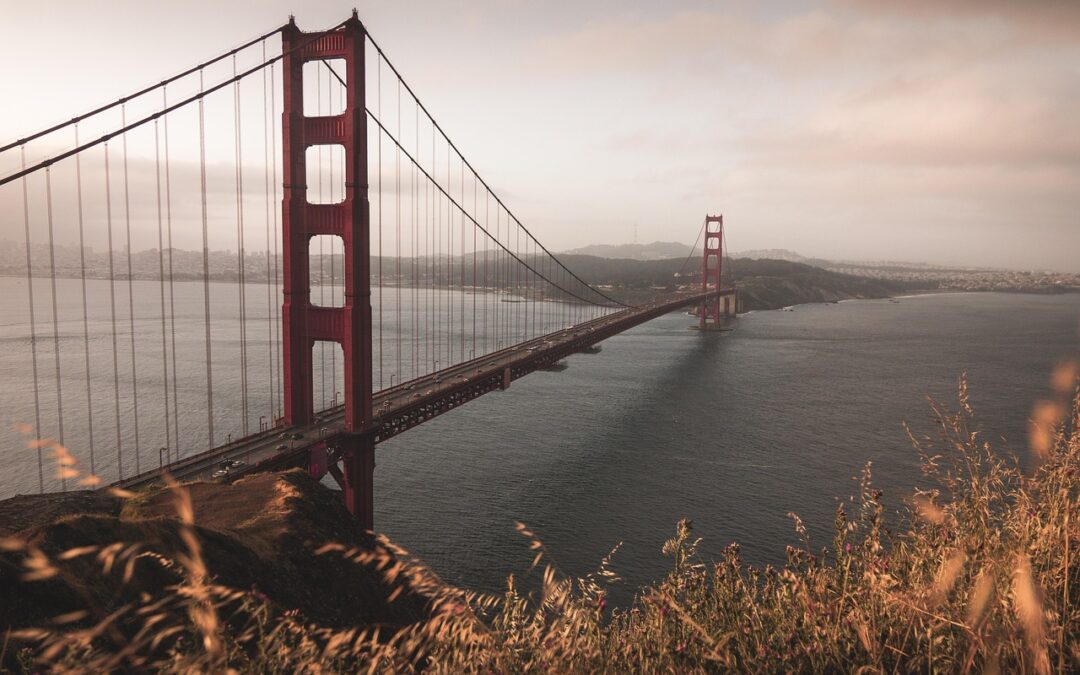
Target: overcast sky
x,y
922,130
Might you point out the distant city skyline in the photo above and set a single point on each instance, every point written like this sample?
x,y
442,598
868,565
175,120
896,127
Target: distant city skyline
x,y
842,129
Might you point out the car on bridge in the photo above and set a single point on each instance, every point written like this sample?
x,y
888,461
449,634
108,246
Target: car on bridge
x,y
226,467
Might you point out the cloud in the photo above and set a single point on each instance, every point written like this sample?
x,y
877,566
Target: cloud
x,y
864,125
1035,19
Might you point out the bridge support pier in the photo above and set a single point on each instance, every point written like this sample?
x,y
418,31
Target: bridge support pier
x,y
731,304
358,486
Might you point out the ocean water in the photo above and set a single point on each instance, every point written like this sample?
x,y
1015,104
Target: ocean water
x,y
732,430
115,384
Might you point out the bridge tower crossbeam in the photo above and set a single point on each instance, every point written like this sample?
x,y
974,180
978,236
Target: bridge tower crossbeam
x,y
304,323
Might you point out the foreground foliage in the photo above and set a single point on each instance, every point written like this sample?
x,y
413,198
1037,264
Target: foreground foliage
x,y
981,577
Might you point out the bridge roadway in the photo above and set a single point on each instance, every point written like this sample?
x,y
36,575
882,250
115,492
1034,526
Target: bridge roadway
x,y
403,406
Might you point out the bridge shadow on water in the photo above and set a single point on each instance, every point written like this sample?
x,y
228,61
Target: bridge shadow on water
x,y
623,470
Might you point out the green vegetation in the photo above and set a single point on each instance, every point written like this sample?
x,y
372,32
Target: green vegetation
x,y
981,576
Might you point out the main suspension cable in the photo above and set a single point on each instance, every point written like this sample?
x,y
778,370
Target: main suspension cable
x,y
470,217
130,97
435,124
203,92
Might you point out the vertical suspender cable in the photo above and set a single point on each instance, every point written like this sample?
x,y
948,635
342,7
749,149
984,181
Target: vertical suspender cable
x,y
269,273
85,319
33,327
379,107
161,286
428,209
333,279
206,271
112,316
532,289
397,236
55,321
430,321
450,314
277,289
511,283
429,220
549,292
416,250
322,275
731,266
474,288
172,287
131,293
462,260
436,263
449,267
487,294
498,279
508,285
240,252
330,240
523,285
414,352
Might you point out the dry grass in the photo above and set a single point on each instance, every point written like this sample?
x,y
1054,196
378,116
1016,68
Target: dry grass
x,y
979,579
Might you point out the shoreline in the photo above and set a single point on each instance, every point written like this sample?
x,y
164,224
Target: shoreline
x,y
928,293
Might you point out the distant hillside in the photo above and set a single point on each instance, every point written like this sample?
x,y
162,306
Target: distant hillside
x,y
772,254
763,283
770,284
658,250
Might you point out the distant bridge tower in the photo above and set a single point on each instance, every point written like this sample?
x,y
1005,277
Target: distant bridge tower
x,y
722,304
304,324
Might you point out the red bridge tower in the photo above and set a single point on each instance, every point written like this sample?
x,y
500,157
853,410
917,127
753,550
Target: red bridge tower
x,y
723,303
304,323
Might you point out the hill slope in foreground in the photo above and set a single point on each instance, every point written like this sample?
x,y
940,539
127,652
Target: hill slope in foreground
x,y
259,534
981,576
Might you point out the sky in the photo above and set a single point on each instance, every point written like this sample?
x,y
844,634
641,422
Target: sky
x,y
933,131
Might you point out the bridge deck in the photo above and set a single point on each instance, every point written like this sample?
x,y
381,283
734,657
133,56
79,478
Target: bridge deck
x,y
401,407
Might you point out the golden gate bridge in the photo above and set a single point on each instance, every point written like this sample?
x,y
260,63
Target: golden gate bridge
x,y
398,284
